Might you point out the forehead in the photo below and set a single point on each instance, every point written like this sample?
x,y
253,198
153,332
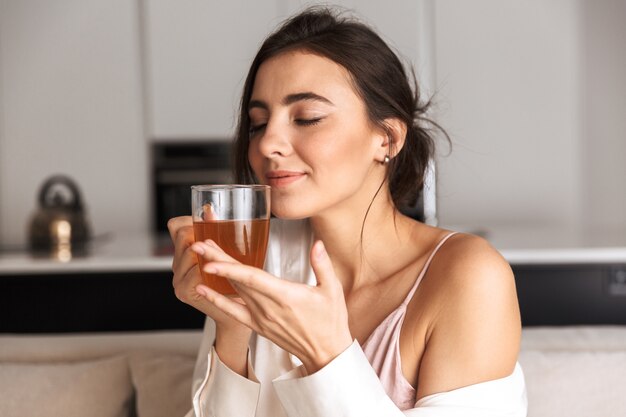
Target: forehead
x,y
299,71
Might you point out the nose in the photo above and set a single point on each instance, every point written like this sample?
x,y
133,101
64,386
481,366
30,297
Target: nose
x,y
274,140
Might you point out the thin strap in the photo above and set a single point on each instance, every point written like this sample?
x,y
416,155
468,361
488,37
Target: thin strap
x,y
426,265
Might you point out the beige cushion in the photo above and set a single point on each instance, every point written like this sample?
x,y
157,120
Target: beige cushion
x,y
574,370
99,388
575,383
162,383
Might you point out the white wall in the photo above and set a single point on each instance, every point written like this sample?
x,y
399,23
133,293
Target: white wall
x,y
509,88
71,103
197,56
533,94
603,166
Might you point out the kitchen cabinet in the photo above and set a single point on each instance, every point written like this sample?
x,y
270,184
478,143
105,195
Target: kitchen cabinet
x,y
197,54
93,301
125,284
122,284
571,294
134,299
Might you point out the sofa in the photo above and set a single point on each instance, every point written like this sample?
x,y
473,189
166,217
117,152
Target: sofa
x,y
570,371
97,375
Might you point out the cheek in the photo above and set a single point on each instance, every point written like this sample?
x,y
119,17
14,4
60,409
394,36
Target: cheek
x,y
345,159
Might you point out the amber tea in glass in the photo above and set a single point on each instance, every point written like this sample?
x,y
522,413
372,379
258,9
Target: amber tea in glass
x,y
236,218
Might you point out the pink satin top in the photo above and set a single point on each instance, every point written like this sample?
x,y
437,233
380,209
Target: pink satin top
x,y
382,347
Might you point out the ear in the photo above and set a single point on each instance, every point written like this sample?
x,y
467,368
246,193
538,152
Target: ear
x,y
391,139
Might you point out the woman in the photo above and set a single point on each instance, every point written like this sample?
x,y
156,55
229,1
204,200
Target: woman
x,y
360,311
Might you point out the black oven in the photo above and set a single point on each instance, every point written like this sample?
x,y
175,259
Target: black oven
x,y
176,166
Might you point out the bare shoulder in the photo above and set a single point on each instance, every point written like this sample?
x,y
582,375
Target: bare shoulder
x,y
474,322
467,262
470,277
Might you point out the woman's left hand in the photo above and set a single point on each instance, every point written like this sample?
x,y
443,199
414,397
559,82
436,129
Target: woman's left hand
x,y
311,322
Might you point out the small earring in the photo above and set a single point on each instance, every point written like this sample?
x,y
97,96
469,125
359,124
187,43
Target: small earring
x,y
386,160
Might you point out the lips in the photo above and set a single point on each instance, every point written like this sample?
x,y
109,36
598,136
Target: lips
x,y
282,178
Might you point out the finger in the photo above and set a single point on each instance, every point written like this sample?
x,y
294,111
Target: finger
x,y
183,265
175,223
228,306
210,251
184,239
322,266
246,276
183,284
208,212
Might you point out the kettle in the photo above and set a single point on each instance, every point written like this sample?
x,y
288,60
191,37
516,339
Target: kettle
x,y
60,221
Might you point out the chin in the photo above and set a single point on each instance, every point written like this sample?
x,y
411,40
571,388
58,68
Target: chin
x,y
290,211
289,215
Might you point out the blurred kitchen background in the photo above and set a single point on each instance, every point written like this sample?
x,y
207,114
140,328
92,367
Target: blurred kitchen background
x,y
134,100
532,93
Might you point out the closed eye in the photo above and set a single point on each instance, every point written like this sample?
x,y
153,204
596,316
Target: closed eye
x,y
308,122
256,128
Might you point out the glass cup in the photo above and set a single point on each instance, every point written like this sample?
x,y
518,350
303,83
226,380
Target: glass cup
x,y
237,219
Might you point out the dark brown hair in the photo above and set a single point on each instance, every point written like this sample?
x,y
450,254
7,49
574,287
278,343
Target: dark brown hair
x,y
378,77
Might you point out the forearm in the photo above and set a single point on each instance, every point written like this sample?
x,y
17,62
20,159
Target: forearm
x,y
231,346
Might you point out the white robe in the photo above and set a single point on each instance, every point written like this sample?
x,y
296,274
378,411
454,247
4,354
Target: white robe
x,y
278,386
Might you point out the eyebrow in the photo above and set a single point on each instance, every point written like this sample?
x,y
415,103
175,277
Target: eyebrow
x,y
290,99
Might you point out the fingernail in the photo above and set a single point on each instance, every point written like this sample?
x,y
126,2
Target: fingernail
x,y
210,242
321,250
197,248
209,269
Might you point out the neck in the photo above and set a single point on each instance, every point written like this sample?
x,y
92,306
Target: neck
x,y
359,242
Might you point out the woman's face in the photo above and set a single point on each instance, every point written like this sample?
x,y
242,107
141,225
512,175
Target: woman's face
x,y
310,137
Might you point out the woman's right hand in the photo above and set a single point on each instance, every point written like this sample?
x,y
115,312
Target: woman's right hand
x,y
187,276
